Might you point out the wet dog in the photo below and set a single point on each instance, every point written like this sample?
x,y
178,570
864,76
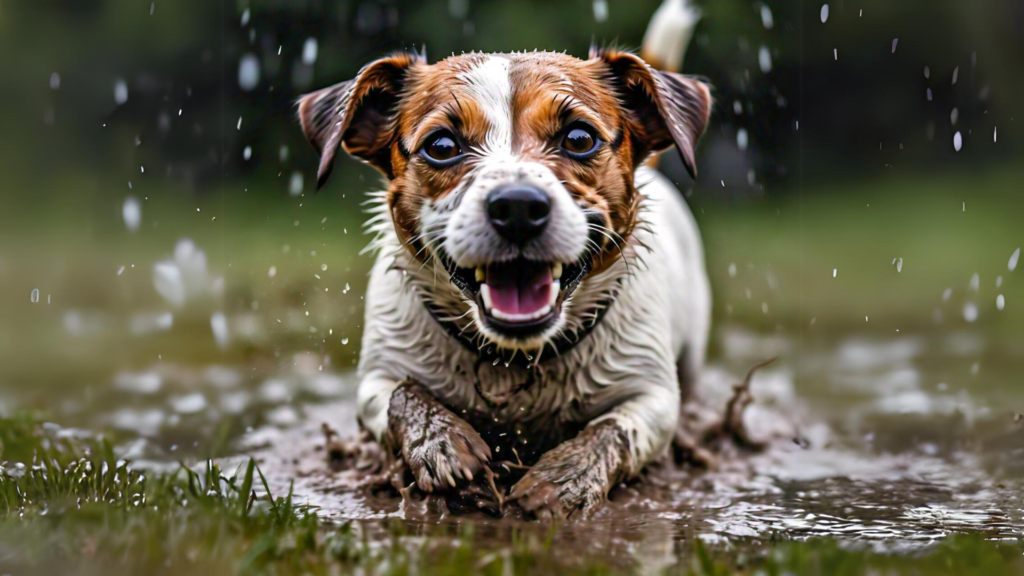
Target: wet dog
x,y
539,294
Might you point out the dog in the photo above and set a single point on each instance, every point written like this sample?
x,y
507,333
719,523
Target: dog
x,y
539,295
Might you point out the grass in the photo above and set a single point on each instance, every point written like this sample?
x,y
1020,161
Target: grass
x,y
68,505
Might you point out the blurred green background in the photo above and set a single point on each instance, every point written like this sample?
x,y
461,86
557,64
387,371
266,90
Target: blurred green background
x,y
130,125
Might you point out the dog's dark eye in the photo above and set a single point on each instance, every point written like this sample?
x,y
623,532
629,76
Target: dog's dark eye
x,y
580,142
441,148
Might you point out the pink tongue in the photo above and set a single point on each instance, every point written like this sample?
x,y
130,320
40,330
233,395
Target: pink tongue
x,y
521,295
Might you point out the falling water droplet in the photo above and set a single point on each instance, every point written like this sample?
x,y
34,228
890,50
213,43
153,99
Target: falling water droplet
x,y
957,141
34,297
824,13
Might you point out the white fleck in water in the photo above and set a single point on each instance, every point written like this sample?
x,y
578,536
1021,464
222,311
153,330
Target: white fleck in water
x,y
732,270
927,72
189,403
737,107
764,307
835,272
219,325
120,91
247,153
131,211
248,72
835,54
282,154
954,115
764,59
723,183
958,141
999,281
899,265
1000,302
928,93
1012,264
995,134
824,13
975,283
741,138
152,8
894,42
601,11
239,125
751,177
295,183
309,51
344,341
272,272
946,294
245,17
347,288
766,17
323,267
34,296
956,74
970,312
54,81
120,270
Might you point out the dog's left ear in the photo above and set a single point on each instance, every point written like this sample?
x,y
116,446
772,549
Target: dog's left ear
x,y
669,107
357,114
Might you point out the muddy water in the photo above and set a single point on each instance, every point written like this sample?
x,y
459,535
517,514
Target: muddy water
x,y
894,443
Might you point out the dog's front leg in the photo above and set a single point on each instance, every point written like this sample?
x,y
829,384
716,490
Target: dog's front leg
x,y
575,476
437,445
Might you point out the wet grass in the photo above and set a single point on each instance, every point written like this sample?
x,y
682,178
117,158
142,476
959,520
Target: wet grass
x,y
68,505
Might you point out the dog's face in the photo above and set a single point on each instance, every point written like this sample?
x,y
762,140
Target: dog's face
x,y
513,171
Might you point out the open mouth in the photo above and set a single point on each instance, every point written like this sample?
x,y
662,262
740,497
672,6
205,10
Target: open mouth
x,y
519,298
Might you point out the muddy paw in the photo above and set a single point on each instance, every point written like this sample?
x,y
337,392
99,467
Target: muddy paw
x,y
438,446
573,479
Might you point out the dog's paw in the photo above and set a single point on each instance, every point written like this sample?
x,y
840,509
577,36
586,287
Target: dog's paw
x,y
438,446
574,478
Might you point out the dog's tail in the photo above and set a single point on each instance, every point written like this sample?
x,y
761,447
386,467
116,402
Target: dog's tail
x,y
669,34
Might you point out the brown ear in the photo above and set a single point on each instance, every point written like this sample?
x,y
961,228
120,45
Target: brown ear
x,y
357,114
669,107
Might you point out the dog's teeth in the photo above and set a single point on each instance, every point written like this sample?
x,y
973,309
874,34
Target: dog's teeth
x,y
521,317
480,274
553,295
485,295
556,270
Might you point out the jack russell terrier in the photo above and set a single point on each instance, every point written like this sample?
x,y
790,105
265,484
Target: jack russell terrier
x,y
539,294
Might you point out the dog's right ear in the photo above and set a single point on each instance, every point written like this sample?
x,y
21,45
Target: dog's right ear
x,y
357,114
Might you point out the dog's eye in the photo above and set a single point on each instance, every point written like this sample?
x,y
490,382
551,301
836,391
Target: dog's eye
x,y
580,142
441,148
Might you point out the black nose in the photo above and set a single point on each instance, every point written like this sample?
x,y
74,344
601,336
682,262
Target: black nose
x,y
518,212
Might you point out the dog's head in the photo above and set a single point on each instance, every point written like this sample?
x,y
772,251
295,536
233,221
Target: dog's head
x,y
513,171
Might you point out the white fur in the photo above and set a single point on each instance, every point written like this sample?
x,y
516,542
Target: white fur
x,y
624,369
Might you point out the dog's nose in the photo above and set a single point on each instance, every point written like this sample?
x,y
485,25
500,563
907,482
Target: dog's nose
x,y
518,212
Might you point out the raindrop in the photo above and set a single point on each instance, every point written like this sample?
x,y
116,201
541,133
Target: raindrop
x,y
248,72
975,282
295,183
995,134
835,54
1012,264
737,107
323,267
894,41
272,272
152,8
956,74
459,9
958,141
835,272
309,51
131,211
34,297
239,126
219,325
1000,302
245,17
764,59
732,270
54,81
929,93
824,13
344,341
970,312
927,72
601,11
766,17
282,154
954,116
741,138
120,92
247,153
